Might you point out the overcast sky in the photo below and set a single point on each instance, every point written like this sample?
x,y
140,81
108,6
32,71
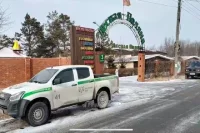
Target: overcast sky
x,y
156,21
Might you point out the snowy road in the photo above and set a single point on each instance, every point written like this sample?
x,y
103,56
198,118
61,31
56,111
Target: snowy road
x,y
164,107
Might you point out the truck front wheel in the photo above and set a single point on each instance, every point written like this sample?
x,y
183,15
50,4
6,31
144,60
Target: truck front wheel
x,y
38,114
102,99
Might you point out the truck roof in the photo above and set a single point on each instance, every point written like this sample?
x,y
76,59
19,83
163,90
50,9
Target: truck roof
x,y
66,66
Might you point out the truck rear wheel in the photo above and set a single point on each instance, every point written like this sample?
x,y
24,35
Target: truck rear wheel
x,y
102,99
38,114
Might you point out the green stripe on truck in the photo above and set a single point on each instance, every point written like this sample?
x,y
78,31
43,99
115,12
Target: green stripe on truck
x,y
37,91
96,79
105,78
85,81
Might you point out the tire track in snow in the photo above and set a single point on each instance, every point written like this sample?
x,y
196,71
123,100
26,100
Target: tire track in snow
x,y
184,123
187,122
153,109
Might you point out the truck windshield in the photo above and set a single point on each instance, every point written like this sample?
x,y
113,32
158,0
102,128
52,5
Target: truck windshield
x,y
43,76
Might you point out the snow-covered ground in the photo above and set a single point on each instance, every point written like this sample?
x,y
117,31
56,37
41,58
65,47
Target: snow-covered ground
x,y
132,93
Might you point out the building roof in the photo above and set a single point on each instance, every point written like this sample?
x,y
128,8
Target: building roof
x,y
135,58
130,51
189,57
9,53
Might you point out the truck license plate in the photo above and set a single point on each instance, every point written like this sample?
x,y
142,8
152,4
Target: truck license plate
x,y
192,73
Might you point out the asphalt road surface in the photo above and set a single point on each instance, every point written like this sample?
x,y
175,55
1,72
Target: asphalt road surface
x,y
175,113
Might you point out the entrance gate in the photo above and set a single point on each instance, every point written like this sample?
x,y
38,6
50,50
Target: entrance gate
x,y
129,21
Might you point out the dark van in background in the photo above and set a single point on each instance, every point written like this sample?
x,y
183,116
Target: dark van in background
x,y
193,70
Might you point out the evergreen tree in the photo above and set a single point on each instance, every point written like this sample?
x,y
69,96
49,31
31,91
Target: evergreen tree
x,y
110,62
46,48
58,27
31,35
5,41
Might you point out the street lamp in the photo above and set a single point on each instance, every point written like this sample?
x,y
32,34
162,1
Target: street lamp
x,y
96,24
98,27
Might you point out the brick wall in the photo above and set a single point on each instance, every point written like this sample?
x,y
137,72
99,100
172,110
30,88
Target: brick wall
x,y
12,71
41,63
17,70
98,66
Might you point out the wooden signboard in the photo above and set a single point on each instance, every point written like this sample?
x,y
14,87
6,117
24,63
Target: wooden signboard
x,y
82,42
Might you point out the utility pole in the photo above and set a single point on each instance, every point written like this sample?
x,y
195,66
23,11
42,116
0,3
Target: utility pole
x,y
177,44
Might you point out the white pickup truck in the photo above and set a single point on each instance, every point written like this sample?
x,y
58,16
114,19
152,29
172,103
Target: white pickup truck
x,y
54,88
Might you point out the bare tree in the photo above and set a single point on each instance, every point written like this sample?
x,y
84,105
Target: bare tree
x,y
5,41
4,18
103,42
187,48
151,48
168,46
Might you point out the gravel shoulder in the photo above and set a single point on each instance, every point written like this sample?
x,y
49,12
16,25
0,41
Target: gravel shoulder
x,y
3,116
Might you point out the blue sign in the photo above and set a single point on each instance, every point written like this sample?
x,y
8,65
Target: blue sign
x,y
88,43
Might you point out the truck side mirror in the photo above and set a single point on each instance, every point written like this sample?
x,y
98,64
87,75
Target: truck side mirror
x,y
56,81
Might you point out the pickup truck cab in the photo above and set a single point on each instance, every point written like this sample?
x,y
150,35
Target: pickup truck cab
x,y
54,88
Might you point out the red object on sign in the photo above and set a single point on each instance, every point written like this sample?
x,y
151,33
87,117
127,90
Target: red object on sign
x,y
89,52
84,29
88,62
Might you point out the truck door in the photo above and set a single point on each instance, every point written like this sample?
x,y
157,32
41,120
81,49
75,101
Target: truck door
x,y
85,84
66,91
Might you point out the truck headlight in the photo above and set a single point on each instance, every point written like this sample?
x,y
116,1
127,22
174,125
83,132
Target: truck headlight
x,y
16,96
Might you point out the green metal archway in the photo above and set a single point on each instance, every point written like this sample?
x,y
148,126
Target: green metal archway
x,y
125,19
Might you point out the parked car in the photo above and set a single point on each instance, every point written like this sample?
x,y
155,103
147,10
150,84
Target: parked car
x,y
193,70
54,88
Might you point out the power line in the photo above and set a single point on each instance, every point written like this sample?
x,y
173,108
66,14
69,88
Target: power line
x,y
198,1
185,9
190,11
191,5
157,3
194,1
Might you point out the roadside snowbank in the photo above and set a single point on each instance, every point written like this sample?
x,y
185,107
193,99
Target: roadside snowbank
x,y
133,79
